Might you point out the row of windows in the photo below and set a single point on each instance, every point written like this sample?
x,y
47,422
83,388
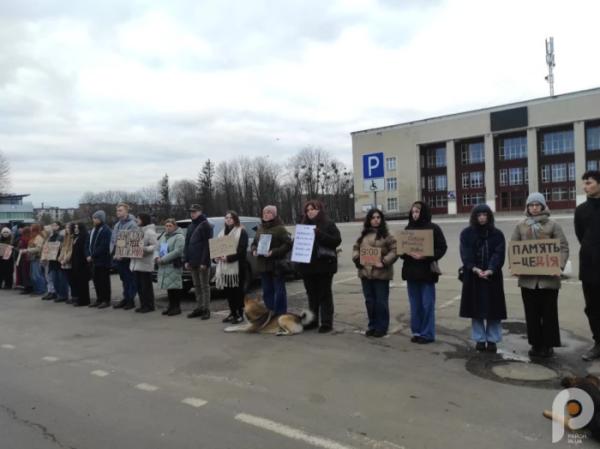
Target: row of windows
x,y
512,148
560,194
433,183
557,142
592,138
472,153
473,180
434,158
473,199
593,165
558,172
513,176
392,204
437,201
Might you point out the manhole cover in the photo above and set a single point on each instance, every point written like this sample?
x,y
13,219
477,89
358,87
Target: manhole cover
x,y
524,371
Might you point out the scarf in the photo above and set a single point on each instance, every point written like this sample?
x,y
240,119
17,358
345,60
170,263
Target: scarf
x,y
228,273
535,223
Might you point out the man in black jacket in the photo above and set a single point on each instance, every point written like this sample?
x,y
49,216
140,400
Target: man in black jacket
x,y
196,257
587,224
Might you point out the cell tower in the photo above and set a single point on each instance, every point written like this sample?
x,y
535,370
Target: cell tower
x,y
551,64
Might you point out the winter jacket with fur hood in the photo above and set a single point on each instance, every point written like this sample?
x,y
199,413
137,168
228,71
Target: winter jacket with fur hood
x,y
388,256
146,263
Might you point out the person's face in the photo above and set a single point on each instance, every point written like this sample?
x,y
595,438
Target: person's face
x,y
375,221
267,215
96,222
482,218
229,220
170,227
122,212
591,187
534,209
311,212
138,220
76,230
195,214
416,213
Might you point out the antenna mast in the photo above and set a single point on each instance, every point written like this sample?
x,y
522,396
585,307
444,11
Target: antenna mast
x,y
551,64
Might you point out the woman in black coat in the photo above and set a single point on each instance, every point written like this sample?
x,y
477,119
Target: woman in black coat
x,y
80,268
482,250
318,274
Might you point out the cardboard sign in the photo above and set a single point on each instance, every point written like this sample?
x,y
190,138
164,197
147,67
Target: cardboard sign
x,y
130,244
415,241
6,251
534,257
222,246
50,251
369,255
304,241
264,243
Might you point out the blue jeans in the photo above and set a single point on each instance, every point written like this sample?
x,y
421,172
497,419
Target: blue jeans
x,y
274,293
61,285
422,309
486,330
128,280
38,279
377,294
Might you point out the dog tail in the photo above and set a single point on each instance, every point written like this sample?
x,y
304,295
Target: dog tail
x,y
306,317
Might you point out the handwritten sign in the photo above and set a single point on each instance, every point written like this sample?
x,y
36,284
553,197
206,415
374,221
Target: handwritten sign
x,y
369,255
130,244
534,257
264,244
6,251
304,241
222,246
50,251
415,241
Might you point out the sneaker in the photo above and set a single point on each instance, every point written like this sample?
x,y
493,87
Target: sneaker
x,y
119,305
94,304
369,332
174,312
229,319
311,325
165,312
144,310
195,313
238,319
480,346
491,347
49,297
103,305
205,315
128,306
424,341
592,354
535,351
379,334
325,329
415,339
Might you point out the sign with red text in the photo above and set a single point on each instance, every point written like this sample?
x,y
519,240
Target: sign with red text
x,y
369,255
534,257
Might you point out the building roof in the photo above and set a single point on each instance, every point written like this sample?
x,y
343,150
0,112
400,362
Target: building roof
x,y
580,93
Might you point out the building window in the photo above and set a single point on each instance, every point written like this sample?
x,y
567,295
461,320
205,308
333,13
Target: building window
x,y
476,179
515,176
431,183
592,138
437,201
436,158
392,204
465,180
473,199
392,185
572,171
559,172
503,177
546,174
512,148
441,182
390,162
592,165
472,153
557,142
560,194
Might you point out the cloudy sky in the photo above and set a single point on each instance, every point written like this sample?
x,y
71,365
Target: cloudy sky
x,y
112,94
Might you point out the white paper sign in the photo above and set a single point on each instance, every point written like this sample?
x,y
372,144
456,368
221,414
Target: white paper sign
x,y
264,244
303,243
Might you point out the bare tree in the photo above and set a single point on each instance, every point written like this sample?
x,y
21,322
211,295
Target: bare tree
x,y
185,193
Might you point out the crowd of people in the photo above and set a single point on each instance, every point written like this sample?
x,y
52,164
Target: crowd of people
x,y
90,255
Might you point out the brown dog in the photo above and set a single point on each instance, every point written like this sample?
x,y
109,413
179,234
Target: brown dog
x,y
263,321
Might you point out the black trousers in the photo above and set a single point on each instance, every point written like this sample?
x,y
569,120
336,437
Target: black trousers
x,y
101,278
174,296
6,272
143,281
72,283
320,297
541,314
591,293
235,295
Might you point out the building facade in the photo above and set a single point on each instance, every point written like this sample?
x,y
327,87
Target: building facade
x,y
495,156
55,213
14,210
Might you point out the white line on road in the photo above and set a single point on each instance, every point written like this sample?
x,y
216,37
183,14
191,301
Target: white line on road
x,y
7,346
99,373
290,432
194,402
341,281
450,302
50,359
146,387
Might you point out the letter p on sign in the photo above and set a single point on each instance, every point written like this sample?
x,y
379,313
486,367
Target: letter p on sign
x,y
373,166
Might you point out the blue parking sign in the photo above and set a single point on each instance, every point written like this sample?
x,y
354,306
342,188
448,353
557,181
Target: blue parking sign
x,y
373,165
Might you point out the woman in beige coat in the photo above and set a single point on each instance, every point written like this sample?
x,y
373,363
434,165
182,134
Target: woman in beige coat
x,y
540,293
376,278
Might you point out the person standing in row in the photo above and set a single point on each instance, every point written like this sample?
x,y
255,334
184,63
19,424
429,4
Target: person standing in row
x,y
168,259
80,268
97,252
587,229
142,268
64,259
58,276
231,270
270,265
24,266
126,222
196,256
375,279
482,251
421,273
540,293
7,265
318,274
34,253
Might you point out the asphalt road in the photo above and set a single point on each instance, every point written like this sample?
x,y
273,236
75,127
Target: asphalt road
x,y
84,378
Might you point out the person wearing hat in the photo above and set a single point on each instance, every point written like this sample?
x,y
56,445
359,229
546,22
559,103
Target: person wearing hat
x,y
482,251
540,293
196,256
97,252
6,265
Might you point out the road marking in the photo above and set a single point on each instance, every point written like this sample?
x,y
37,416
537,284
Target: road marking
x,y
450,302
6,346
290,432
50,359
341,281
99,373
194,402
146,387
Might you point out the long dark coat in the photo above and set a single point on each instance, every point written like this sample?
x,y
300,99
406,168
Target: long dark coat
x,y
587,226
484,248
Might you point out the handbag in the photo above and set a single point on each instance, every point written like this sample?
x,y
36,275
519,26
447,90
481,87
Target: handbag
x,y
325,253
461,274
435,267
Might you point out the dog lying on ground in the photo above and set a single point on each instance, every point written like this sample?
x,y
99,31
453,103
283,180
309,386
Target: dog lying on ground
x,y
263,321
591,385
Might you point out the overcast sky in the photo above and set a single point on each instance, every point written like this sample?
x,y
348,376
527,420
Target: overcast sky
x,y
112,94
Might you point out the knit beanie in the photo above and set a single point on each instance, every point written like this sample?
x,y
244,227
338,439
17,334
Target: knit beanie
x,y
537,197
100,215
5,231
272,209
